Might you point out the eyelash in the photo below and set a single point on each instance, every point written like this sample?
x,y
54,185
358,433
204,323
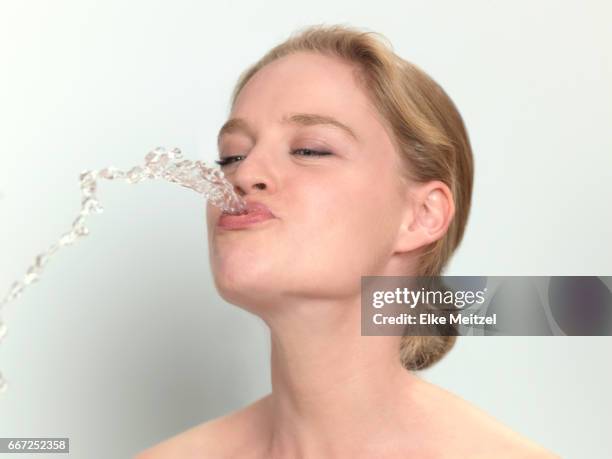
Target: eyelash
x,y
228,160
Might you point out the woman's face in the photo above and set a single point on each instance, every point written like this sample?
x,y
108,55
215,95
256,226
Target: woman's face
x,y
337,216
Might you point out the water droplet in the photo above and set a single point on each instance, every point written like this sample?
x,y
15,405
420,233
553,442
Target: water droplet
x,y
91,206
88,189
41,260
134,174
110,173
87,176
176,153
14,292
54,248
67,239
151,157
81,231
30,277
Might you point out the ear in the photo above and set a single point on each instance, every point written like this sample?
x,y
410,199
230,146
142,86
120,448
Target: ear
x,y
430,208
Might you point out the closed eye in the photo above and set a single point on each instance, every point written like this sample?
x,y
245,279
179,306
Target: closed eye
x,y
226,161
312,152
306,152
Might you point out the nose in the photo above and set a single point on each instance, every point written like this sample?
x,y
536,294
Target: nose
x,y
243,190
252,175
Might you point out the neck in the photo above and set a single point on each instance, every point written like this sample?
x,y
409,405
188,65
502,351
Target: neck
x,y
334,390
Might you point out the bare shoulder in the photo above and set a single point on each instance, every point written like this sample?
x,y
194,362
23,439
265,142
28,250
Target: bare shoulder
x,y
232,435
471,432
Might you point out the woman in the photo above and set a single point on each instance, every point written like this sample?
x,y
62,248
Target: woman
x,y
354,163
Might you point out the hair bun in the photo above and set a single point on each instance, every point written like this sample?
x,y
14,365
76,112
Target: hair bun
x,y
420,352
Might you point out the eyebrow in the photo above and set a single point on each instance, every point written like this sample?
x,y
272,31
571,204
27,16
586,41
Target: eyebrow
x,y
302,119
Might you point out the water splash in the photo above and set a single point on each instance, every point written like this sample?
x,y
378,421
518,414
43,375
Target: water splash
x,y
159,164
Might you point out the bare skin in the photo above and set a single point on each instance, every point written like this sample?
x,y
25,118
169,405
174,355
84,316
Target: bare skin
x,y
443,426
335,393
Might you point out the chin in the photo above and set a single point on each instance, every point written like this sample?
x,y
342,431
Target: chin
x,y
246,284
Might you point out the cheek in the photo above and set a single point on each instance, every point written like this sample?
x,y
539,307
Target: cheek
x,y
346,232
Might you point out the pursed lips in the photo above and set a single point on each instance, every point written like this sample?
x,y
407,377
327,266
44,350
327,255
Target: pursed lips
x,y
256,212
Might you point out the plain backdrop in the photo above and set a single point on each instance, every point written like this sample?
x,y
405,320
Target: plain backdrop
x,y
124,342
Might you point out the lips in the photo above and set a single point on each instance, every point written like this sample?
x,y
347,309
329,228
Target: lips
x,y
256,212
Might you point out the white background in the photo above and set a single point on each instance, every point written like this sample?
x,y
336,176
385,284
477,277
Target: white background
x,y
124,342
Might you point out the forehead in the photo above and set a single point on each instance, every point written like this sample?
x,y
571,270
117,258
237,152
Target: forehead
x,y
304,82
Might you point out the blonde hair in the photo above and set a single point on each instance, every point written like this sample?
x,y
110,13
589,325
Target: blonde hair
x,y
428,132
